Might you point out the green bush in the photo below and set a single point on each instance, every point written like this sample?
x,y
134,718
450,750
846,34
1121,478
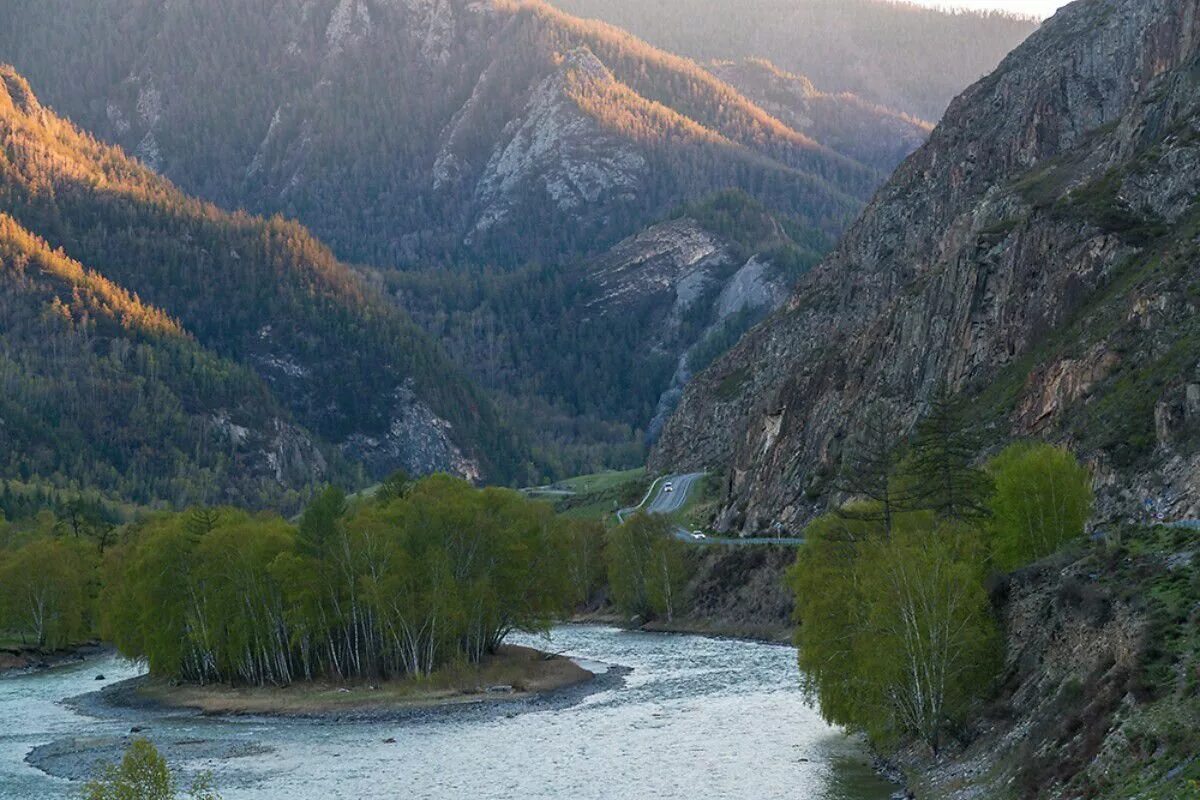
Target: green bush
x,y
143,775
896,637
1042,500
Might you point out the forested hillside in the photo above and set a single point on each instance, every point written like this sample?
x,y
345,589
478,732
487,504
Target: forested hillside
x,y
861,130
417,132
503,155
103,391
226,330
897,54
590,356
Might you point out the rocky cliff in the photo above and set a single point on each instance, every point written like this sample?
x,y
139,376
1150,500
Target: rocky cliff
x,y
1096,694
1036,255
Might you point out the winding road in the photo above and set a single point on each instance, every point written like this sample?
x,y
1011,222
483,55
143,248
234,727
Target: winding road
x,y
669,495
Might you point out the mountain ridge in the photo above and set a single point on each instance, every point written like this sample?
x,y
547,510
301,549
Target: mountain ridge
x,y
258,292
439,94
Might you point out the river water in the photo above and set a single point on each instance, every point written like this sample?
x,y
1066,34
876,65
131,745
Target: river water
x,y
695,718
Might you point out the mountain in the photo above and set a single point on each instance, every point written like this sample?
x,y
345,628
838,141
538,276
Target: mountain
x,y
499,153
105,391
895,54
1037,257
591,354
866,132
409,132
137,312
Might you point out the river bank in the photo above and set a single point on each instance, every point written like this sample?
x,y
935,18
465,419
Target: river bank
x,y
20,658
514,674
769,632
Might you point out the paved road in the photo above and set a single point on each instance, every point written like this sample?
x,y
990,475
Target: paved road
x,y
668,502
659,501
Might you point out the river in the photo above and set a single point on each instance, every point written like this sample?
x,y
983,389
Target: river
x,y
695,718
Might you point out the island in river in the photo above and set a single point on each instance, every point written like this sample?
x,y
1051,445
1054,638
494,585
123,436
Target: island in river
x,y
512,673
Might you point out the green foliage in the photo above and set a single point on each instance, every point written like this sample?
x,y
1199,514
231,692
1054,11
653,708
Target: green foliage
x,y
46,589
648,567
895,632
143,774
941,467
1042,501
384,588
896,636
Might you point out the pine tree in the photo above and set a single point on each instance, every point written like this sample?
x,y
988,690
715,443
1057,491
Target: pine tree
x,y
870,467
946,480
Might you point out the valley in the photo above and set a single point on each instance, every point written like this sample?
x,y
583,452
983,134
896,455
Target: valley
x,y
846,351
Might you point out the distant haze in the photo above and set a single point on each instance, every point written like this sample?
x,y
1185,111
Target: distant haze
x,y
1036,8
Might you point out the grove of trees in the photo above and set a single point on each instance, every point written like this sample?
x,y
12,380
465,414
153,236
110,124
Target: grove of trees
x,y
393,587
647,567
896,632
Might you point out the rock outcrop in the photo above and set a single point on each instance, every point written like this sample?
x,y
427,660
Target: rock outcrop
x,y
694,291
1036,255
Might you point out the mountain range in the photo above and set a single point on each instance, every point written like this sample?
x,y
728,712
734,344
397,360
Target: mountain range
x,y
908,57
539,227
429,131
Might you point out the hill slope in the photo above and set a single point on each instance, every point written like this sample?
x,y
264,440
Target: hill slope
x,y
1037,255
420,130
863,131
593,353
104,391
899,55
262,293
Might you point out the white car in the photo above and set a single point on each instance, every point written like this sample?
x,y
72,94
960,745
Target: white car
x,y
697,535
668,488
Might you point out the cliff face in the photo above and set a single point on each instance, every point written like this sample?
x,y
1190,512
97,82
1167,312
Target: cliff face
x,y
1033,255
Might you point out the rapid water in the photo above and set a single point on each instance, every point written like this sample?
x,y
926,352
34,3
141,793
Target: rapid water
x,y
695,719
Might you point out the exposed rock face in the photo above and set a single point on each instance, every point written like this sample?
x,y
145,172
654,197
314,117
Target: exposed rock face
x,y
557,154
418,441
1033,255
677,271
664,258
